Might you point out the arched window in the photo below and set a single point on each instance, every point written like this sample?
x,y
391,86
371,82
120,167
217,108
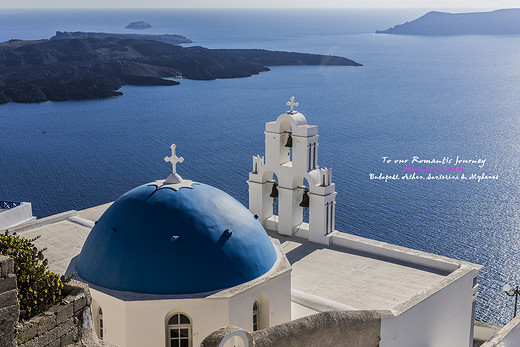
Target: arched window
x,y
261,312
305,204
100,323
179,331
256,315
274,194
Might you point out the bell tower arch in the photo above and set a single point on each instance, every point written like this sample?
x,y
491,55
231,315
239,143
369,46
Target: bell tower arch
x,y
291,153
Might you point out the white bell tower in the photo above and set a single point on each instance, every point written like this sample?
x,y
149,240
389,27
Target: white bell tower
x,y
291,154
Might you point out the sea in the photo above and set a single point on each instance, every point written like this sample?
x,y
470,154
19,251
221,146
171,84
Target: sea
x,y
450,103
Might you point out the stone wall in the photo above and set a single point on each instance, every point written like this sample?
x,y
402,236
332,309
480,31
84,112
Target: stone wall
x,y
61,325
335,328
9,307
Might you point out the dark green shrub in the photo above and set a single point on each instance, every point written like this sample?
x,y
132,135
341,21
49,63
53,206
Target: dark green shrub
x,y
38,288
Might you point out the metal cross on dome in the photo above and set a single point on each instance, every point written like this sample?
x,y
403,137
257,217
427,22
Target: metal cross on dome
x,y
292,104
174,159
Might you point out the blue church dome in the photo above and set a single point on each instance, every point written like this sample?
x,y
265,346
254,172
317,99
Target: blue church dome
x,y
185,241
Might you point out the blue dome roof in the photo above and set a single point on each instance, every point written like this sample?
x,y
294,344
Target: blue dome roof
x,y
162,241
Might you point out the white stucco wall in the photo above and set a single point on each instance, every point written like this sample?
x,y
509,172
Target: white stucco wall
x,y
141,319
438,320
485,331
274,298
16,216
512,339
114,311
507,336
144,323
147,320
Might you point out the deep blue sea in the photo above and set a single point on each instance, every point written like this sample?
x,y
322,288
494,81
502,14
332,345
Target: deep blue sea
x,y
431,97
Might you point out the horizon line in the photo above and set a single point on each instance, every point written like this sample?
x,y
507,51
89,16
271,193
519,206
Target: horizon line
x,y
254,8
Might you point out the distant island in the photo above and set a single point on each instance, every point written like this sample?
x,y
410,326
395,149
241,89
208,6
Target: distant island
x,y
139,25
499,22
96,67
166,38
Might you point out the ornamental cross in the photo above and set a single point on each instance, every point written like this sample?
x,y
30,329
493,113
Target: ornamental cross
x,y
174,159
292,104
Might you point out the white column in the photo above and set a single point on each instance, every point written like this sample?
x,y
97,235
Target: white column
x,y
321,217
287,210
260,203
302,154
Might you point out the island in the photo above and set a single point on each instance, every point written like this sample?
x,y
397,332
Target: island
x,y
139,25
499,22
166,38
96,67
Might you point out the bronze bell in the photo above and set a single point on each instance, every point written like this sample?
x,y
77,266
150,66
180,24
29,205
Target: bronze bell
x,y
289,141
274,191
305,200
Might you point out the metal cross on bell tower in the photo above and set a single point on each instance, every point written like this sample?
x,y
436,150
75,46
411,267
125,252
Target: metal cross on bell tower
x,y
174,159
292,104
300,200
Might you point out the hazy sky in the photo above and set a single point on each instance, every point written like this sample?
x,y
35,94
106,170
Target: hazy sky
x,y
427,4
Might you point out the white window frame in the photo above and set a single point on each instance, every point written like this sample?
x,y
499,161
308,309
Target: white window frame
x,y
101,325
256,314
178,327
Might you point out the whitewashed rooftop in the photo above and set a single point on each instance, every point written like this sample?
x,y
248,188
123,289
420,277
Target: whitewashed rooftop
x,y
384,277
359,280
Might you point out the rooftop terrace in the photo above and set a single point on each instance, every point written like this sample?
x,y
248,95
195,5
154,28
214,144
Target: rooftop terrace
x,y
378,275
368,282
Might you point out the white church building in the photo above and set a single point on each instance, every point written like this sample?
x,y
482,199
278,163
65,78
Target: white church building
x,y
179,263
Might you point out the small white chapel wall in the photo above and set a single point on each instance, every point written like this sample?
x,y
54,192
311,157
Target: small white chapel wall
x,y
16,215
507,336
147,320
440,319
513,337
141,319
274,297
114,318
144,322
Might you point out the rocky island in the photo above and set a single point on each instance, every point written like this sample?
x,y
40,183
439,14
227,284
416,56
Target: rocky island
x,y
96,67
499,22
166,38
139,25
